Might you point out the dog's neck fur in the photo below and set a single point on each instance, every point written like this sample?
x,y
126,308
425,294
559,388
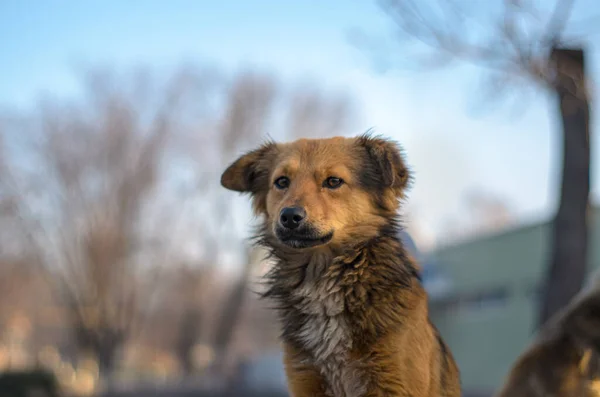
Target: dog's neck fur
x,y
365,285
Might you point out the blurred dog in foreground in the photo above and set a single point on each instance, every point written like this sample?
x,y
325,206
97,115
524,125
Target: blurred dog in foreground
x,y
353,311
563,360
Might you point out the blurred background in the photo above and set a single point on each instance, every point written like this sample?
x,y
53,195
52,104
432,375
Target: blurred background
x,y
126,270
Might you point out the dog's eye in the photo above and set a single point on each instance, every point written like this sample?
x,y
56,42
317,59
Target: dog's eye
x,y
332,182
283,182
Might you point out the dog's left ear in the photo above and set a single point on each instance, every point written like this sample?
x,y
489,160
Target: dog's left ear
x,y
250,172
386,155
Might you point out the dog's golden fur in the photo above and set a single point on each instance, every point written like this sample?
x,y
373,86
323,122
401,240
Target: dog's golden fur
x,y
563,359
353,311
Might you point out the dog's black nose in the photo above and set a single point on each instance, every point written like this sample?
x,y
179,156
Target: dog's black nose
x,y
292,217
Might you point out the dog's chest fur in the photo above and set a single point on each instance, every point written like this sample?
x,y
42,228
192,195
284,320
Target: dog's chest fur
x,y
332,308
325,331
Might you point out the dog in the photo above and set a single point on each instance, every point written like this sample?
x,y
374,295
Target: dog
x,y
563,360
353,312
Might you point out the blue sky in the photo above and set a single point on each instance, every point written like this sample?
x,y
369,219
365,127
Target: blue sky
x,y
451,148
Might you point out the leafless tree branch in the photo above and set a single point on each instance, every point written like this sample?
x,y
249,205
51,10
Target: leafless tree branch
x,y
503,45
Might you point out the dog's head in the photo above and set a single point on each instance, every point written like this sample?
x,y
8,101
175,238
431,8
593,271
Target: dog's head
x,y
318,192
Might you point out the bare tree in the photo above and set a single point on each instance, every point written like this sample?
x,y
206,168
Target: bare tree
x,y
88,191
480,212
181,314
488,211
8,208
102,211
516,43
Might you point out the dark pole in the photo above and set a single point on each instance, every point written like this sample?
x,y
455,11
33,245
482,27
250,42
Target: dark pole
x,y
569,233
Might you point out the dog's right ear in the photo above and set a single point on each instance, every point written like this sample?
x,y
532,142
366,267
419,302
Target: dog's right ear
x,y
250,172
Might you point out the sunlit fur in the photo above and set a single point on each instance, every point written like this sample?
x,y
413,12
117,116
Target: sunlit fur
x,y
353,311
563,360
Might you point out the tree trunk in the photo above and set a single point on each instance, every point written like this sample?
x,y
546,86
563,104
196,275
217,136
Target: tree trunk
x,y
189,330
569,235
105,348
229,319
103,345
105,354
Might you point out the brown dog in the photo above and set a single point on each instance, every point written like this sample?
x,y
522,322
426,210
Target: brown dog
x,y
563,360
353,310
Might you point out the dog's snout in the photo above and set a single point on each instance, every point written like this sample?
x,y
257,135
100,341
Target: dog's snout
x,y
292,217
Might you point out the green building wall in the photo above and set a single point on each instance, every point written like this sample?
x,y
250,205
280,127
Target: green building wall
x,y
489,316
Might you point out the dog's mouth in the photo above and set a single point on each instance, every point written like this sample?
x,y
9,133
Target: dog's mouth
x,y
303,240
